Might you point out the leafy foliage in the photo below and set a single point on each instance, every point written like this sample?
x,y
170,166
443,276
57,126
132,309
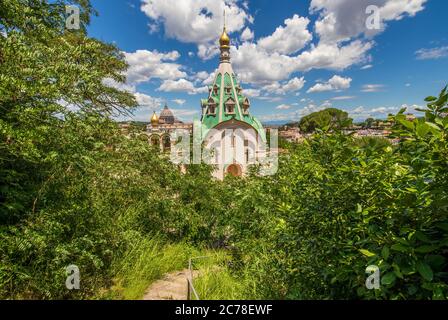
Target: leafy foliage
x,y
74,190
336,207
326,120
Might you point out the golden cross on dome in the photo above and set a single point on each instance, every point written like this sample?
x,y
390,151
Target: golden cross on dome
x,y
224,18
224,41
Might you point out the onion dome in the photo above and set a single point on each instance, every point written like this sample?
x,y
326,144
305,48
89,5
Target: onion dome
x,y
154,119
224,41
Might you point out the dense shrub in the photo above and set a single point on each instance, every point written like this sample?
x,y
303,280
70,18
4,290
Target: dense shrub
x,y
74,190
337,206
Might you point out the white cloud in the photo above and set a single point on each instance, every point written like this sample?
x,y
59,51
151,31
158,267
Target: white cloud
x,y
379,110
208,51
120,86
412,108
270,98
209,80
372,87
179,101
252,93
196,21
184,113
433,53
290,116
153,28
202,75
346,19
367,66
271,58
181,85
294,84
200,90
375,112
334,56
340,98
288,39
146,101
256,65
296,114
358,110
312,108
247,35
334,84
283,107
143,100
267,64
145,65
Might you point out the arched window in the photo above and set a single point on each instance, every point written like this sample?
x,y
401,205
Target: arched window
x,y
211,106
166,143
238,90
230,106
246,106
155,141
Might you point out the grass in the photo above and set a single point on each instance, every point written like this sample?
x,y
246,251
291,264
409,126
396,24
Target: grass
x,y
217,282
148,259
145,263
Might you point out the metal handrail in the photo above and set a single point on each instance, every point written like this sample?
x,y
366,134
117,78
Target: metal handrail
x,y
190,286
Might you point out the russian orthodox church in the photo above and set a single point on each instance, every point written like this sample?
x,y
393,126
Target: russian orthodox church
x,y
231,138
229,131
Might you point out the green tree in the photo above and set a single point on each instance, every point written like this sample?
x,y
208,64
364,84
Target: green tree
x,y
328,119
46,73
369,123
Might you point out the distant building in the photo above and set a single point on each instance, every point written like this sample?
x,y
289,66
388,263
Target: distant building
x,y
291,134
167,117
371,133
160,128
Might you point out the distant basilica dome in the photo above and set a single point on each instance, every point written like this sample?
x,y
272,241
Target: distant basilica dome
x,y
166,116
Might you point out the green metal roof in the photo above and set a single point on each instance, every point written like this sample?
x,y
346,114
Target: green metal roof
x,y
210,121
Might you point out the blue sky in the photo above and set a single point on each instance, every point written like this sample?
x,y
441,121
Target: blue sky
x,y
293,57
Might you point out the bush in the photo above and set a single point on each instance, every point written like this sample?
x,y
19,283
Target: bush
x,y
336,207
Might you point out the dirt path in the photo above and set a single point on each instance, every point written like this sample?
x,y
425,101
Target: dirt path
x,y
173,286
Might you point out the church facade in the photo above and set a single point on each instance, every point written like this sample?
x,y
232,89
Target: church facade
x,y
233,137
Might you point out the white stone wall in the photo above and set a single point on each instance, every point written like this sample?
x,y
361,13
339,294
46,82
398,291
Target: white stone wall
x,y
233,142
